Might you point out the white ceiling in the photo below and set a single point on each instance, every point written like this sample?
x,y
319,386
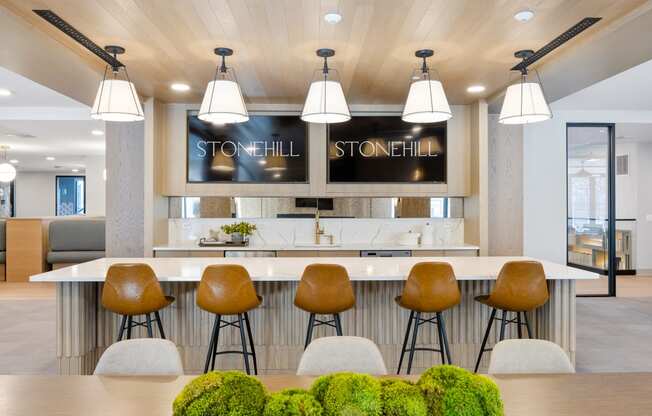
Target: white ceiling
x,y
36,122
630,90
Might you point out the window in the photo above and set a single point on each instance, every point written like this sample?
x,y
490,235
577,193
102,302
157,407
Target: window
x,y
71,195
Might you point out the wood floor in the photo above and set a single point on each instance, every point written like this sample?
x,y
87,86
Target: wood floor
x,y
639,286
613,334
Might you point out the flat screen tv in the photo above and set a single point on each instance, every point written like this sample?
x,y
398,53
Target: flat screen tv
x,y
385,149
265,149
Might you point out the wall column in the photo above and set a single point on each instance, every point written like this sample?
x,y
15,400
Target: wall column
x,y
125,188
476,218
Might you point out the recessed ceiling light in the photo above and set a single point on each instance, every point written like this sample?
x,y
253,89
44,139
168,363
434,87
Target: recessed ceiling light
x,y
75,170
49,157
524,16
333,18
5,92
97,132
180,87
14,161
476,89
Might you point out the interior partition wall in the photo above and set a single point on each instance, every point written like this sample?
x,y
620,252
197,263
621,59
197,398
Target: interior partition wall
x,y
591,203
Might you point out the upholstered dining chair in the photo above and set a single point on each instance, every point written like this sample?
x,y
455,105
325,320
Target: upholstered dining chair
x,y
339,353
140,357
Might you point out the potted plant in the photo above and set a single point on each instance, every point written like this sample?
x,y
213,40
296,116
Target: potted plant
x,y
239,231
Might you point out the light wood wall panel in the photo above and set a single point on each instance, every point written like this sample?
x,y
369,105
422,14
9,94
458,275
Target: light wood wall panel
x,y
85,329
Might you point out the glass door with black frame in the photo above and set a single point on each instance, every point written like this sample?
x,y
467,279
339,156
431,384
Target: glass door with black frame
x,y
591,204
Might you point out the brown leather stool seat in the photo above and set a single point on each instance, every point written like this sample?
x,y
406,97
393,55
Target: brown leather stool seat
x,y
132,289
520,287
432,288
228,290
324,289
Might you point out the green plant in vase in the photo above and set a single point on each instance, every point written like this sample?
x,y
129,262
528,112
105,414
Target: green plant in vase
x,y
228,393
348,394
454,391
239,231
402,398
292,402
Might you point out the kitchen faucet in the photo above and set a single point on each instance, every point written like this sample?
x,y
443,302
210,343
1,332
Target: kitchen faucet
x,y
319,231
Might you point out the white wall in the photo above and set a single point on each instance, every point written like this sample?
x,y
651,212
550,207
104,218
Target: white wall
x,y
544,178
95,186
35,194
643,243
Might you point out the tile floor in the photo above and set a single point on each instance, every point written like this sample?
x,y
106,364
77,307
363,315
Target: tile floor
x,y
614,334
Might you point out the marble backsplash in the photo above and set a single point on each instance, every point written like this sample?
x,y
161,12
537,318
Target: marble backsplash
x,y
297,231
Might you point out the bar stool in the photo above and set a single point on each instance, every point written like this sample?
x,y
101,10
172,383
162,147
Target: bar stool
x,y
431,287
228,290
520,287
132,289
324,289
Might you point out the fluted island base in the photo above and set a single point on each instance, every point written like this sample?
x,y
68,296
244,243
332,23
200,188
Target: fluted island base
x,y
85,329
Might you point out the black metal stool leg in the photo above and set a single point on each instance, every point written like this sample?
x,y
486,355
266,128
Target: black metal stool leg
x,y
440,321
405,341
123,322
243,340
218,318
417,319
311,324
527,325
518,323
503,318
150,333
159,324
251,342
338,324
484,340
130,323
209,354
442,348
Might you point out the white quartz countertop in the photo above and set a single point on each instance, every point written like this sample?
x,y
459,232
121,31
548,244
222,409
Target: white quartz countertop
x,y
321,247
290,269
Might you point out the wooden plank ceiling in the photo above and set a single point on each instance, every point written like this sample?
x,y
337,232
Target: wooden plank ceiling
x,y
274,40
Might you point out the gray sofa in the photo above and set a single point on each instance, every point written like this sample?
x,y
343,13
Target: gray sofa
x,y
75,241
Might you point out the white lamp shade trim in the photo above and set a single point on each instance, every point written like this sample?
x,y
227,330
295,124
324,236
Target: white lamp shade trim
x,y
117,100
7,172
325,103
524,103
426,103
223,103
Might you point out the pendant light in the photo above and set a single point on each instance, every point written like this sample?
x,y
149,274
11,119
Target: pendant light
x,y
7,170
426,101
116,99
325,102
524,101
222,163
223,102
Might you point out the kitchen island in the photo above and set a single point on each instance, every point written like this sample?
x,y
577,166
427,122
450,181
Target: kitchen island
x,y
85,329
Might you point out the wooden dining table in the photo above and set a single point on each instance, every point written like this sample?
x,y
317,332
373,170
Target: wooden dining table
x,y
532,395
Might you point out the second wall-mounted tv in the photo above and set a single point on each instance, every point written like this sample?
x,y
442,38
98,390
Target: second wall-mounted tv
x,y
385,149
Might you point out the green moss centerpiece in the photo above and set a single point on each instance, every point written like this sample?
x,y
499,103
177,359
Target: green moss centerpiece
x,y
228,393
454,391
402,398
293,402
349,394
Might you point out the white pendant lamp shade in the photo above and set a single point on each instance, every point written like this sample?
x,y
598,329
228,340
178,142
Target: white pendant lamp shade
x,y
7,172
117,100
426,101
524,103
223,103
325,102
